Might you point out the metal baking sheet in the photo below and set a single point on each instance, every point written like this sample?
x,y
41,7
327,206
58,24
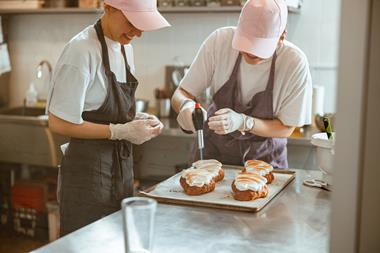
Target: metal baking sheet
x,y
170,191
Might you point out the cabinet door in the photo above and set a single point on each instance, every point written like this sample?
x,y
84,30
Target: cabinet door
x,y
158,158
301,157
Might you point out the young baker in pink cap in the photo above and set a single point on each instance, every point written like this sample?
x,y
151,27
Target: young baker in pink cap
x,y
261,88
92,101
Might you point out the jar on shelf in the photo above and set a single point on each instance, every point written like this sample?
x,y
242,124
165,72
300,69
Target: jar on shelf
x,y
198,2
181,3
213,3
165,3
230,2
89,3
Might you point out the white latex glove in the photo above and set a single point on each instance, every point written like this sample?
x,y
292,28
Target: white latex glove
x,y
136,131
226,121
185,119
144,115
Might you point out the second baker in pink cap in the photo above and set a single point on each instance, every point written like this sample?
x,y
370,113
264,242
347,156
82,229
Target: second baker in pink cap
x,y
260,85
92,101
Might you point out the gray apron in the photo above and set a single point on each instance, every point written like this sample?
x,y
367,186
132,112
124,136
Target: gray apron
x,y
96,175
235,148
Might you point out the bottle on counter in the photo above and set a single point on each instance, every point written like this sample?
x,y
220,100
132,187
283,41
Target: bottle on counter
x,y
31,96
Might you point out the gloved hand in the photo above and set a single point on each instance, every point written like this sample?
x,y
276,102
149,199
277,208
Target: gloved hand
x,y
226,121
136,131
144,115
185,119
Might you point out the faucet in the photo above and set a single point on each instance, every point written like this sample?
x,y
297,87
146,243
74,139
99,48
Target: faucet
x,y
39,69
31,98
39,75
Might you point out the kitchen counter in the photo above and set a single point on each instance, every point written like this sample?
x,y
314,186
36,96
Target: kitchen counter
x,y
26,138
296,220
300,137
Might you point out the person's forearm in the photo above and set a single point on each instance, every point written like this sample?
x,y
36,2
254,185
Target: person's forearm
x,y
86,130
271,128
178,97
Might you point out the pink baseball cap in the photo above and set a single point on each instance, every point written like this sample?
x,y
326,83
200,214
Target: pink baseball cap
x,y
143,14
261,24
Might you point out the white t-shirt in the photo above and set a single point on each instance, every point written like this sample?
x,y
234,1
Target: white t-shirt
x,y
79,81
292,91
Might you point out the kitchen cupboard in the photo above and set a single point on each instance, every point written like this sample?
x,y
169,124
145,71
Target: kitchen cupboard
x,y
168,153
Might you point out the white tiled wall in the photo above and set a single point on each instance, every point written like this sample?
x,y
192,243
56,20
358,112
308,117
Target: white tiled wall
x,y
37,37
316,32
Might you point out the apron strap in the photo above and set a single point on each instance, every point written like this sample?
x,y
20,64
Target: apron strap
x,y
237,65
100,34
130,78
271,75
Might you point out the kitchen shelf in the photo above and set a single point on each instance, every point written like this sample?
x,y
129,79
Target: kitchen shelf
x,y
74,10
49,11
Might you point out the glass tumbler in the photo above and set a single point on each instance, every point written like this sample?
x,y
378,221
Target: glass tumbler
x,y
138,224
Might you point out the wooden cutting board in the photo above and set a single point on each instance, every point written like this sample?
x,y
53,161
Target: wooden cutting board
x,y
170,191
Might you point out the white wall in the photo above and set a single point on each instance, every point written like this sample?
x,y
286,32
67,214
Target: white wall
x,y
316,32
37,37
350,148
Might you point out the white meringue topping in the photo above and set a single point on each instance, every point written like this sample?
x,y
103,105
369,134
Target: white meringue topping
x,y
250,181
197,177
202,163
202,172
257,166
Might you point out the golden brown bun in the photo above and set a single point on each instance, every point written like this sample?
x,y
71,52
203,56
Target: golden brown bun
x,y
220,176
195,190
269,177
258,164
248,195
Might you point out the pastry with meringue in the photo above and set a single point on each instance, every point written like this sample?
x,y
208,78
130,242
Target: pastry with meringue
x,y
249,186
197,181
201,177
260,167
212,166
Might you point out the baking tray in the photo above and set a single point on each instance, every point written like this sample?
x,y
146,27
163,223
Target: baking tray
x,y
170,191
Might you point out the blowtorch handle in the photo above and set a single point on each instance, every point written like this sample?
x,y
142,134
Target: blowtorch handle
x,y
198,117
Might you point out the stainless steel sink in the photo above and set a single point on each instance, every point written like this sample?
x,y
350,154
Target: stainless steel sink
x,y
26,139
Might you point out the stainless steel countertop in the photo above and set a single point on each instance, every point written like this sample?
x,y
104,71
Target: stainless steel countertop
x,y
296,220
171,128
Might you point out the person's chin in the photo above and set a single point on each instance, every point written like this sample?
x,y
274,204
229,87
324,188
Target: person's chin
x,y
125,41
252,60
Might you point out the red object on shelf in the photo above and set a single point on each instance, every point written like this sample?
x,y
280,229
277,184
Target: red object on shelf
x,y
31,195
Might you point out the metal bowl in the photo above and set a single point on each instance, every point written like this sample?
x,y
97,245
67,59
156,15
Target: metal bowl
x,y
325,155
142,105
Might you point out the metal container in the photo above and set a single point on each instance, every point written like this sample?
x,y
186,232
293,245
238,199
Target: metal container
x,y
142,105
325,155
163,107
